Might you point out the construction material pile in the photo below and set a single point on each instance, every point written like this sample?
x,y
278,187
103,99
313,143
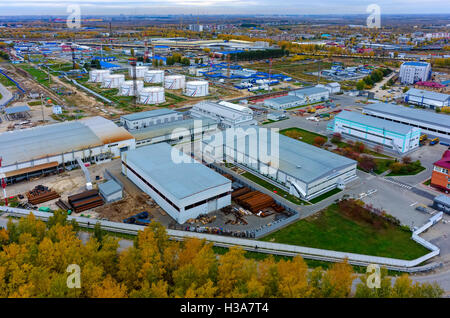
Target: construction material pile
x,y
62,205
255,201
85,200
41,194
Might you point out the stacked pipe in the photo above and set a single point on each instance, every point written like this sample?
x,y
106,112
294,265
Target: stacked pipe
x,y
85,200
41,194
239,192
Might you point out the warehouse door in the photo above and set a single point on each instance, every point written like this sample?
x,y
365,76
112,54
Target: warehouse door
x,y
212,205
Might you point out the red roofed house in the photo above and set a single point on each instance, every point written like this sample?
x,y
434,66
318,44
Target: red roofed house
x,y
441,172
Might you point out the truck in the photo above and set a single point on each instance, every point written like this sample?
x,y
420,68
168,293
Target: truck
x,y
434,141
139,219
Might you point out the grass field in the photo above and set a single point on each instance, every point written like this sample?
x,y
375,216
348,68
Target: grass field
x,y
382,165
296,70
273,188
325,195
301,134
415,171
38,75
333,231
6,81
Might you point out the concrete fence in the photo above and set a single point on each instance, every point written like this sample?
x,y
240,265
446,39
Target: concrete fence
x,y
260,246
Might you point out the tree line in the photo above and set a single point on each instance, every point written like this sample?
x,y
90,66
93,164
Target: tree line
x,y
257,55
34,258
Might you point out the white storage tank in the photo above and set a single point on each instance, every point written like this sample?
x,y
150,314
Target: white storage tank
x,y
197,88
113,81
127,88
152,95
97,76
174,81
154,76
140,71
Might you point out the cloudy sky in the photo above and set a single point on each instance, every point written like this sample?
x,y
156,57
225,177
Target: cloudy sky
x,y
94,7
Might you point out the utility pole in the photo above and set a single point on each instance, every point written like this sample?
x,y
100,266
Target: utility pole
x,y
42,109
3,182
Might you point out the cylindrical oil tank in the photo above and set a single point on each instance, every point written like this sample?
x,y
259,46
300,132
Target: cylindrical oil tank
x,y
113,81
152,95
197,88
97,76
174,81
140,71
154,76
127,88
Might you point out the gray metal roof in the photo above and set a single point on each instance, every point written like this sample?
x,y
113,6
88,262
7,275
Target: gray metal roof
x,y
17,109
285,99
309,91
428,94
149,114
298,159
374,122
167,128
42,141
109,187
180,179
442,198
419,115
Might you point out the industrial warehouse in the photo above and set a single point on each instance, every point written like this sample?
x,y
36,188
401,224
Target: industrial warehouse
x,y
394,137
428,99
432,124
184,189
226,113
303,170
33,151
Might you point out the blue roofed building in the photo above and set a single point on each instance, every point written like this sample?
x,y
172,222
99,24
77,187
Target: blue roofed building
x,y
180,185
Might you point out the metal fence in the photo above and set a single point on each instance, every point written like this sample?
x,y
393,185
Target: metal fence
x,y
260,246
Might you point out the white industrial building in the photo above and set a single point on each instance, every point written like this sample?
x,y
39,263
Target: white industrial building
x,y
284,102
197,89
140,71
30,152
174,82
411,72
426,98
152,95
392,136
312,94
154,76
113,81
303,170
333,88
96,76
149,118
177,131
180,185
127,88
225,113
430,123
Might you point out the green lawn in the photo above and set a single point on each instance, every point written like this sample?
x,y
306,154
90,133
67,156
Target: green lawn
x,y
38,75
325,195
415,171
306,136
6,81
273,188
382,165
333,231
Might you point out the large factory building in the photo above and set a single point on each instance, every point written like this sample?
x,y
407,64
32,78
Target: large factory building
x,y
430,123
301,169
34,151
183,187
225,113
394,137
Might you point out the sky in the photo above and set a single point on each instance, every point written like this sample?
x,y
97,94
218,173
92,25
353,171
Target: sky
x,y
202,7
